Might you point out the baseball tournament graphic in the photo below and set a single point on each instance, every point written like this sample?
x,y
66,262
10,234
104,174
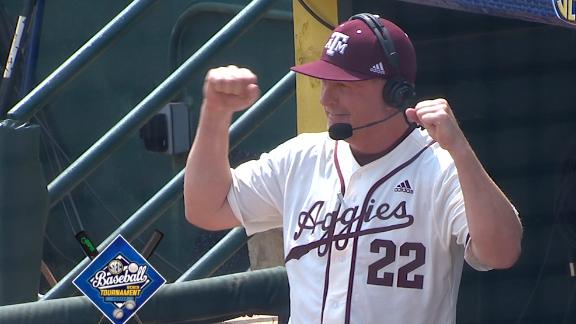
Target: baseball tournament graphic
x,y
119,281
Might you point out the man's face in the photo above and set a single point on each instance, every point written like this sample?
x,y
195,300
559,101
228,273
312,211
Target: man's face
x,y
353,102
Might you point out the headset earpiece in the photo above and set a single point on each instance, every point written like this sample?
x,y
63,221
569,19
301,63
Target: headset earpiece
x,y
397,92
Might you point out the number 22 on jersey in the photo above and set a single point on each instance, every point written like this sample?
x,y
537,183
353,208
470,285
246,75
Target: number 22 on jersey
x,y
387,278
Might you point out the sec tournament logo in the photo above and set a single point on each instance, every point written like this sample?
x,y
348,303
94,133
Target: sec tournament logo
x,y
119,281
565,10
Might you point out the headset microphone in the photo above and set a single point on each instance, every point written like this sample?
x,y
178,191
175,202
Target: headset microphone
x,y
342,131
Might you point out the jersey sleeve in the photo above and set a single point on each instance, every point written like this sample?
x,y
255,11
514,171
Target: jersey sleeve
x,y
454,226
257,191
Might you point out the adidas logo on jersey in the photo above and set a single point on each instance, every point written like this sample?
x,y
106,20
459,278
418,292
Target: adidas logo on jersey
x,y
404,187
378,68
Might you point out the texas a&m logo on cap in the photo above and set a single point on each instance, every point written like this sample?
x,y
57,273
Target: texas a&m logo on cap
x,y
337,43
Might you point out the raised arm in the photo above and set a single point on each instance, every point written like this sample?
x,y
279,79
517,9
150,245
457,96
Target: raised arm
x,y
495,229
207,175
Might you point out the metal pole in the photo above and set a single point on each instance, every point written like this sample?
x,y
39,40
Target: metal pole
x,y
117,135
32,51
172,191
249,121
47,89
191,14
212,260
134,226
208,7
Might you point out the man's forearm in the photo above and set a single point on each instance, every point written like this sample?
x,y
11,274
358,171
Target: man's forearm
x,y
495,229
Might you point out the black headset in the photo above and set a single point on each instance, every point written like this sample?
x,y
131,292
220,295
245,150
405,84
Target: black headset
x,y
398,90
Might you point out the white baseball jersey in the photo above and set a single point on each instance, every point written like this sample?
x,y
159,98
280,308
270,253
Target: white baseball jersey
x,y
379,243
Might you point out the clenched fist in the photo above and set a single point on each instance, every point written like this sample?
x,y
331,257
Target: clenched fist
x,y
230,88
437,117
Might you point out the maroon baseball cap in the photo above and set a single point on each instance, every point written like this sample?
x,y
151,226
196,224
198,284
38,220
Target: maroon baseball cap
x,y
353,53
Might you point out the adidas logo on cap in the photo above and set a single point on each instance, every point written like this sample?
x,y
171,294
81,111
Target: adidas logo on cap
x,y
378,68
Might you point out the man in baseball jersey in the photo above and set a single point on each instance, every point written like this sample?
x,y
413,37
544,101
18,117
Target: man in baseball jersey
x,y
378,215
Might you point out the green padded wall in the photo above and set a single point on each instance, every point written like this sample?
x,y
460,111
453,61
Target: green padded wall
x,y
23,213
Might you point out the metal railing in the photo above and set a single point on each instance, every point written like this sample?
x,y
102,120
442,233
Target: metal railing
x,y
217,256
42,94
135,119
148,213
165,197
